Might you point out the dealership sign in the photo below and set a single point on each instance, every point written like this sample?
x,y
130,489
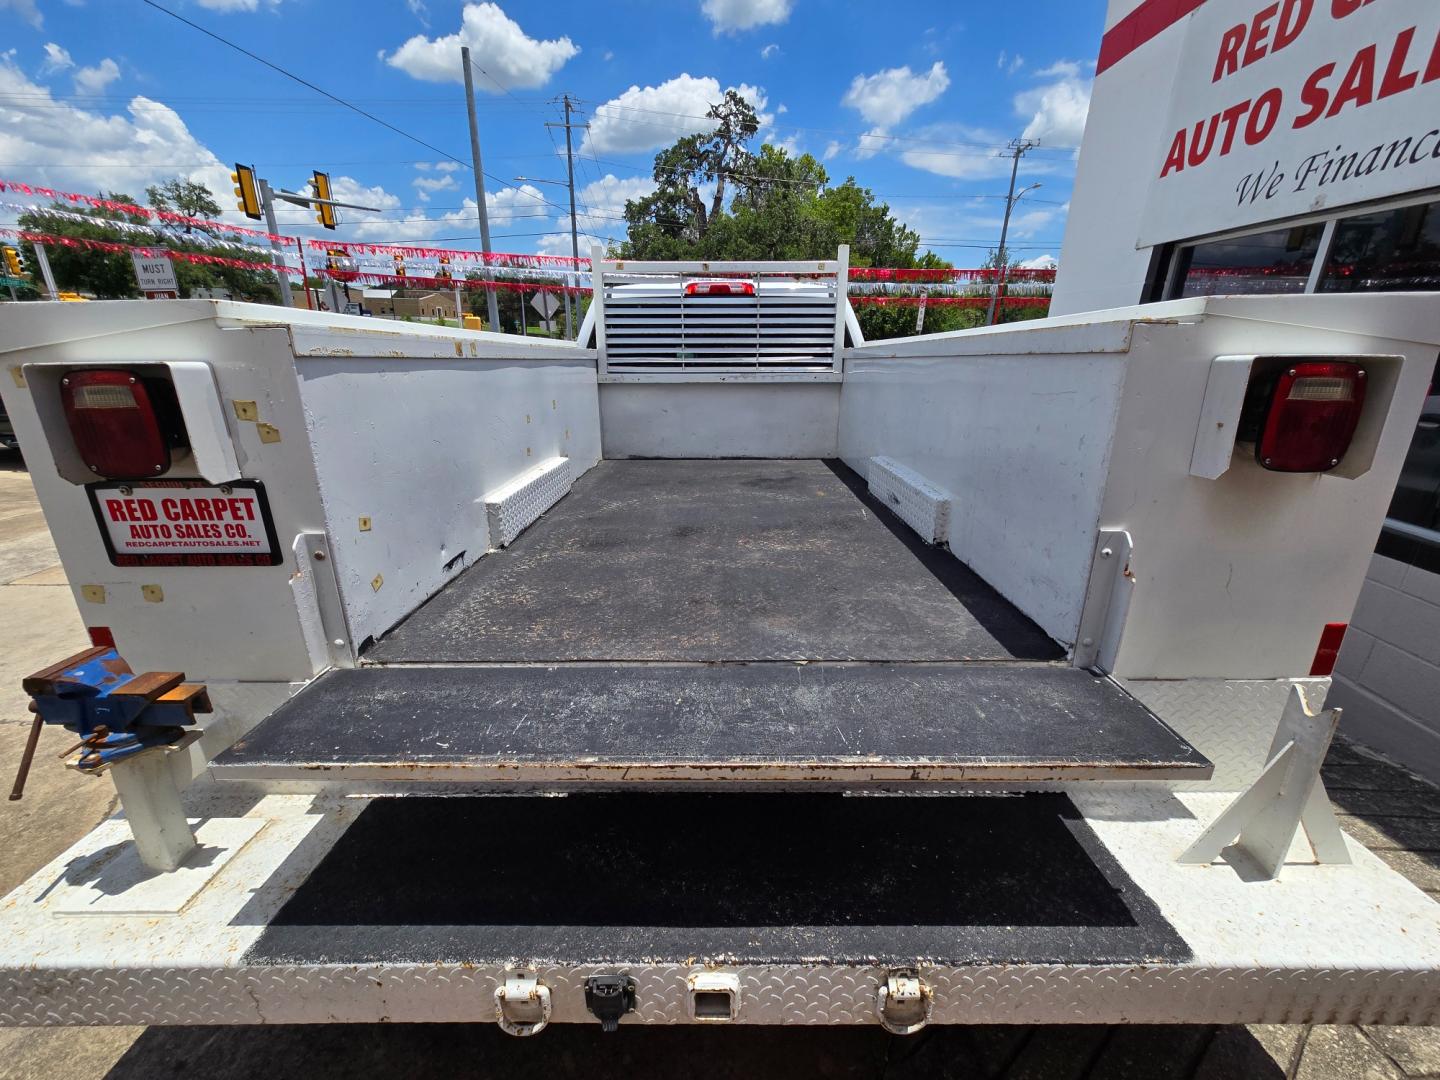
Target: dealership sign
x,y
1294,107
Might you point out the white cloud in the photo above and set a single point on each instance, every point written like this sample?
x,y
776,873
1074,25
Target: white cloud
x,y
56,59
888,97
236,5
25,10
833,147
768,51
1008,63
447,166
89,150
643,118
94,80
498,46
420,11
430,184
790,144
602,202
1040,262
957,152
731,16
1056,110
1064,69
871,143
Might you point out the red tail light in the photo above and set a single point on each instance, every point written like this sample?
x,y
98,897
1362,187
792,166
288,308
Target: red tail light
x,y
115,425
720,288
102,637
1312,417
1331,639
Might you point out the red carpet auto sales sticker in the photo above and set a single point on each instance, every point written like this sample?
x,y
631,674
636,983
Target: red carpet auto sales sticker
x,y
185,523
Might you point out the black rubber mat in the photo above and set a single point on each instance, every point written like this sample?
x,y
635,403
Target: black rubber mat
x,y
715,561
697,722
691,878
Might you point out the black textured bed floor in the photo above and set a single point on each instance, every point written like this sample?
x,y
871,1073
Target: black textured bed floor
x,y
713,561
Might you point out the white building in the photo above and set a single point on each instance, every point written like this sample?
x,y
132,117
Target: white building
x,y
1244,146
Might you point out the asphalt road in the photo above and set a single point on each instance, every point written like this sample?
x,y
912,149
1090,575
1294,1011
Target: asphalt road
x,y
39,625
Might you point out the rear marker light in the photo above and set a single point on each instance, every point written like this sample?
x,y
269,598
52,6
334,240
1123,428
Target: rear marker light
x,y
720,288
114,424
1312,417
1329,649
102,637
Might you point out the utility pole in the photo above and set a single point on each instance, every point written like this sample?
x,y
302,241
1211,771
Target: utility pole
x,y
574,228
1018,149
494,307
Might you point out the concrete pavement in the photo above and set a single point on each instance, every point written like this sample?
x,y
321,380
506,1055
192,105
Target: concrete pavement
x,y
1391,811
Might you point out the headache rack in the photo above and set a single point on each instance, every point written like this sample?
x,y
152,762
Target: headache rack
x,y
790,323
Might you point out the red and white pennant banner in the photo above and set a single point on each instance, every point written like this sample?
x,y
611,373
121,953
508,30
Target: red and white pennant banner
x,y
195,257
137,211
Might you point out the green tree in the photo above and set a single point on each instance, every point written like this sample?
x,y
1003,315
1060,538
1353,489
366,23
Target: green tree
x,y
181,196
781,207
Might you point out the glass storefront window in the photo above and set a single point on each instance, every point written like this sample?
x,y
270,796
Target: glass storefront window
x,y
1412,528
1392,251
1271,262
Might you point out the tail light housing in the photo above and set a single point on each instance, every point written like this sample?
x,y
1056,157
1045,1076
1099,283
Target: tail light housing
x,y
1331,638
1311,416
118,422
720,288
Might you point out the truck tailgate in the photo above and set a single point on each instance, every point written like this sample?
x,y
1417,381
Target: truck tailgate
x,y
691,621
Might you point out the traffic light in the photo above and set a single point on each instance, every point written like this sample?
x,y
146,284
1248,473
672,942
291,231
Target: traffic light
x,y
400,266
333,257
247,191
324,213
444,272
13,266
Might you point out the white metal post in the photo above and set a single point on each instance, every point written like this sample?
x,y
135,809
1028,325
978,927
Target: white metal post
x,y
842,299
151,801
44,262
597,302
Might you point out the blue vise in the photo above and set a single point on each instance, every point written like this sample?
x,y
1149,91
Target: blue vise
x,y
115,712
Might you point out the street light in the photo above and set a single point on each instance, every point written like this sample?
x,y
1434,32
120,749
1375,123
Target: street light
x,y
1004,253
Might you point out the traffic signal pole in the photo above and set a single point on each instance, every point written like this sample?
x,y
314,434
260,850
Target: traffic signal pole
x,y
267,203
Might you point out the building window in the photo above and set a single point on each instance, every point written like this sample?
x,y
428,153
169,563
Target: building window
x,y
1412,528
1279,261
1392,251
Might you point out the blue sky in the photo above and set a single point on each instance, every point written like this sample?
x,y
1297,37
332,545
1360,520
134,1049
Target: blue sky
x,y
915,100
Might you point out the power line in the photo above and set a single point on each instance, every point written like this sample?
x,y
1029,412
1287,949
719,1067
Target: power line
x,y
305,82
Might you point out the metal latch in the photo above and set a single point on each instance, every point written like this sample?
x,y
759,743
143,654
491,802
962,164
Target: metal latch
x,y
522,1005
609,997
903,1003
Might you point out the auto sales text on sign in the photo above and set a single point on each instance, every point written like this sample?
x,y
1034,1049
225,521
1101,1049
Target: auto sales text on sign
x,y
1295,106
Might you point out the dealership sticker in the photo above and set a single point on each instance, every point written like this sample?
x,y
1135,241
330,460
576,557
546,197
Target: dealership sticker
x,y
185,523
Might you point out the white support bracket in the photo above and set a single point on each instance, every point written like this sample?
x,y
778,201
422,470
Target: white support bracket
x,y
1107,601
1265,818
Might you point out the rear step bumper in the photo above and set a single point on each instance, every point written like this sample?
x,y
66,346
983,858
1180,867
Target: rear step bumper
x,y
1020,909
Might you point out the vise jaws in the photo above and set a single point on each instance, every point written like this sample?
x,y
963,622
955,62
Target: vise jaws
x,y
116,712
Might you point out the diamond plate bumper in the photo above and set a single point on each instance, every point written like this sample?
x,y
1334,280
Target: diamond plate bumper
x,y
1324,944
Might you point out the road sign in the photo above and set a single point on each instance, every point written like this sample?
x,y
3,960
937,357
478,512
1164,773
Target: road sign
x,y
546,304
155,275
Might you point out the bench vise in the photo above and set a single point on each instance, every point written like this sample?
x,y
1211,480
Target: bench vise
x,y
116,712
